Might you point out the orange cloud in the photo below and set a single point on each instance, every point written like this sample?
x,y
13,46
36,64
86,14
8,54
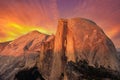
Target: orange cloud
x,y
113,32
18,17
37,13
14,30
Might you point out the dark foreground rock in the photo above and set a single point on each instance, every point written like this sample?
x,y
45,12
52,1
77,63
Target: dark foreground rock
x,y
80,50
82,71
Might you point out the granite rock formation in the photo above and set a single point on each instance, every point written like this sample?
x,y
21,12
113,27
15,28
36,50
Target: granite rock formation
x,y
3,45
59,56
81,39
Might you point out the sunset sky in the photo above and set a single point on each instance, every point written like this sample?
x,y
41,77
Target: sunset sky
x,y
18,17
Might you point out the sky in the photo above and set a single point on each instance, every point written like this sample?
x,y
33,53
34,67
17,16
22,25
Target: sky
x,y
18,17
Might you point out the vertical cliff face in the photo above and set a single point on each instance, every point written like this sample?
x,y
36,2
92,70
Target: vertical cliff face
x,y
81,39
90,43
46,57
59,51
59,56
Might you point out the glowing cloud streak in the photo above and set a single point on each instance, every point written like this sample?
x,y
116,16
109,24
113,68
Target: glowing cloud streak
x,y
17,16
13,30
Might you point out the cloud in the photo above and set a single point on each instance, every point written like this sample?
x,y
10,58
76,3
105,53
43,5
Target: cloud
x,y
29,12
106,13
37,13
44,13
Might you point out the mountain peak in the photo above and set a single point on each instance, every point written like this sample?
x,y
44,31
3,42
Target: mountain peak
x,y
81,39
28,41
76,40
35,31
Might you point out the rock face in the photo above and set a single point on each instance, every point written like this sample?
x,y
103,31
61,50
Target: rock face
x,y
90,43
81,39
118,53
2,45
49,57
118,49
26,52
25,44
